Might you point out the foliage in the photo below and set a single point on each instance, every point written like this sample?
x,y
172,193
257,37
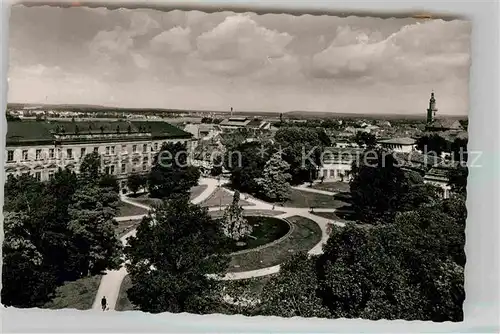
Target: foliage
x,y
294,292
175,247
458,179
365,139
67,225
246,163
171,174
432,143
217,166
380,189
459,149
136,182
302,147
274,184
234,225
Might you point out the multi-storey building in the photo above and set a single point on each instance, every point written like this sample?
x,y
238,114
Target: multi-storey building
x,y
40,148
337,163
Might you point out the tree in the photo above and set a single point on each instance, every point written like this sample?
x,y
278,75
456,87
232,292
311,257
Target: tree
x,y
246,163
377,187
365,139
234,225
458,179
302,148
26,281
90,168
175,247
380,188
459,149
274,184
92,226
432,143
217,166
171,173
136,182
294,291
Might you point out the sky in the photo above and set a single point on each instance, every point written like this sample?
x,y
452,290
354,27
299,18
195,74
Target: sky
x,y
214,61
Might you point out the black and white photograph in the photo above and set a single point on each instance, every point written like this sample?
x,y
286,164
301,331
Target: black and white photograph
x,y
236,163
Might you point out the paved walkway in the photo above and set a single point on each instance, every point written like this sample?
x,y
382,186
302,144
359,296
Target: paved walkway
x,y
112,280
305,187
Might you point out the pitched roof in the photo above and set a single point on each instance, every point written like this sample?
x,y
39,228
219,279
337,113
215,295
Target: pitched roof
x,y
31,131
443,123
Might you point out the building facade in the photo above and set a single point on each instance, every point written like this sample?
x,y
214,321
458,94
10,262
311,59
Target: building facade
x,y
40,148
337,163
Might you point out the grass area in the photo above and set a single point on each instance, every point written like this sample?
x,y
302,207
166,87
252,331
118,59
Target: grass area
x,y
223,198
150,201
126,209
305,235
78,295
332,216
220,213
124,227
305,199
265,230
332,186
123,303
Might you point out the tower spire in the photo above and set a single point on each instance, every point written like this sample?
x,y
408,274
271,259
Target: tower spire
x,y
431,111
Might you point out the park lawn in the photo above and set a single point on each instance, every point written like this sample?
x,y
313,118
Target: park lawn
x,y
305,235
332,186
306,199
126,209
333,216
220,213
124,227
221,197
123,303
150,201
79,294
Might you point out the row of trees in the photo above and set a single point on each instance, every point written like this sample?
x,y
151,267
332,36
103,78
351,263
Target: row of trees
x,y
56,231
438,144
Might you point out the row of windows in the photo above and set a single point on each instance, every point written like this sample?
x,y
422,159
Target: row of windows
x,y
109,150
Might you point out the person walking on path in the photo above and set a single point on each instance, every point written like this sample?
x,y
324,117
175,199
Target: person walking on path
x,y
104,303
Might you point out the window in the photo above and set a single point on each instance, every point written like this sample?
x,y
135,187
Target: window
x,y
146,158
156,146
112,150
82,152
25,154
134,148
51,153
10,155
124,168
38,153
124,149
112,169
144,165
69,153
145,148
38,176
51,175
96,149
106,170
107,149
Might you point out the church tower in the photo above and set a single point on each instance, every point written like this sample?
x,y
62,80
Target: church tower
x,y
431,111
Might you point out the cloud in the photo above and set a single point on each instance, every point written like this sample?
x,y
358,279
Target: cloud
x,y
175,40
239,45
424,52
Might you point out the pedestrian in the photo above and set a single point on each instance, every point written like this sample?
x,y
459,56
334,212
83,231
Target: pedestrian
x,y
273,206
104,303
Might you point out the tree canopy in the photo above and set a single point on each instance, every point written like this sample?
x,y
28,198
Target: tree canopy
x,y
175,247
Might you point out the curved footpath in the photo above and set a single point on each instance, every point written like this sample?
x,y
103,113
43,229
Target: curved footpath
x,y
111,281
